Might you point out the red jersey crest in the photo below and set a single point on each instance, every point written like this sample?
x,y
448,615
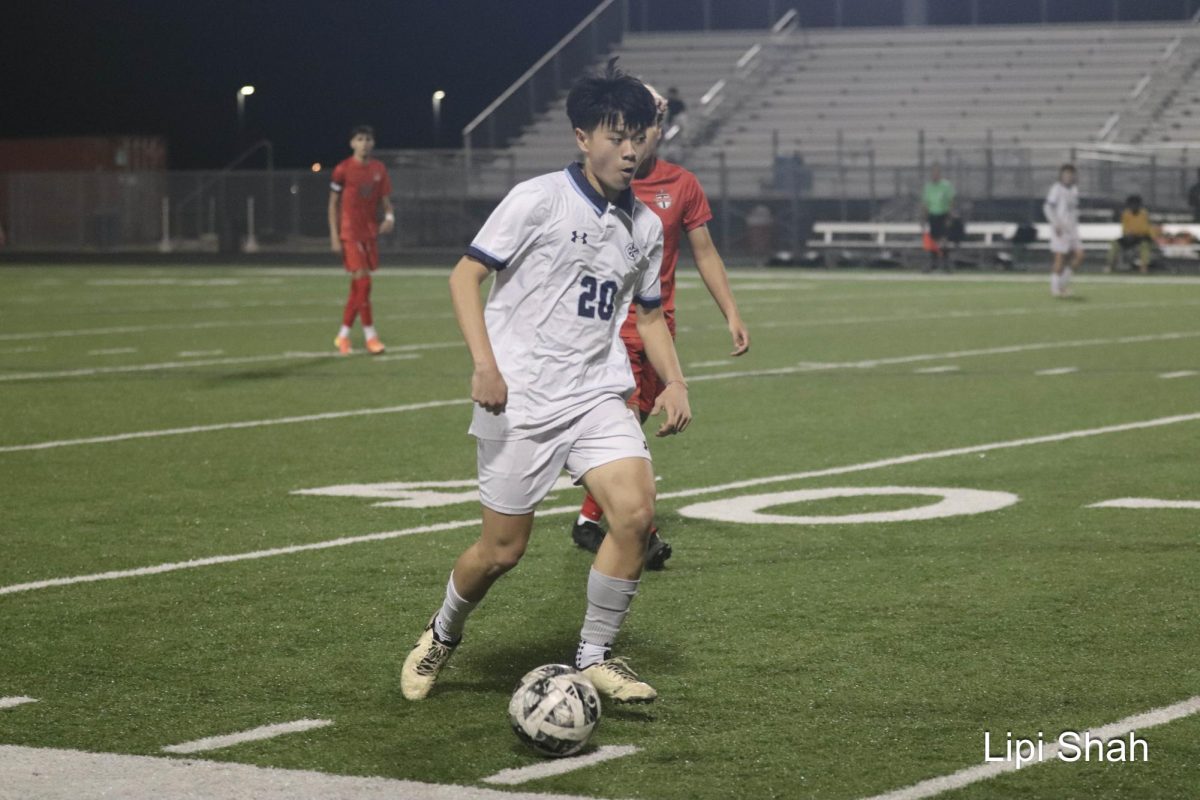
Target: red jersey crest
x,y
663,200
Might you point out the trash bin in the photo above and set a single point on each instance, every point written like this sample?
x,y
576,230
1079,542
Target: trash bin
x,y
760,230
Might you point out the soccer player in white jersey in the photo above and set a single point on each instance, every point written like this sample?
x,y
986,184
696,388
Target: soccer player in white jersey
x,y
569,251
1062,212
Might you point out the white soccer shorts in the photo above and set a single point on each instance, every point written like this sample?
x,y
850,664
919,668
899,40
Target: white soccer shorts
x,y
1069,242
516,474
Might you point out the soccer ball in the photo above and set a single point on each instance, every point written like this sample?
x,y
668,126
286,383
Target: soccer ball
x,y
554,710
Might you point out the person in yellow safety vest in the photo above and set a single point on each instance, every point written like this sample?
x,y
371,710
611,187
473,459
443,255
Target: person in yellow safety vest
x,y
1136,231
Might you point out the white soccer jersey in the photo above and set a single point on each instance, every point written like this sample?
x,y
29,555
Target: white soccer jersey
x,y
1062,206
568,263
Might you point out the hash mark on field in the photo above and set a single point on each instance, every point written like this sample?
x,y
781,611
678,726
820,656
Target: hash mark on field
x,y
937,370
511,777
1057,371
1183,373
981,772
1146,502
200,353
252,735
112,351
12,702
574,509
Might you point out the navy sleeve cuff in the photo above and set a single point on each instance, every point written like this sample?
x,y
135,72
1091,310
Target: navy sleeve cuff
x,y
648,302
487,259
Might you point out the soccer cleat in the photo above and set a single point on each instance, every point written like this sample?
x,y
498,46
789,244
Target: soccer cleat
x,y
615,680
423,664
588,535
657,552
342,343
374,346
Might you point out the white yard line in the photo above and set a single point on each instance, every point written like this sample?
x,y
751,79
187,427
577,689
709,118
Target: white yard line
x,y
1057,371
559,766
207,325
200,353
937,370
982,772
252,735
792,370
954,354
13,702
166,365
1184,373
169,365
1146,502
916,457
574,509
227,426
47,774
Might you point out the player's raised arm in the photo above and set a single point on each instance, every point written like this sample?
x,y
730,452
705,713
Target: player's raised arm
x,y
660,349
487,384
712,271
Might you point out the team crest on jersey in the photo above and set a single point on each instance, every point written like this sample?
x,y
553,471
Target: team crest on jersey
x,y
662,199
632,251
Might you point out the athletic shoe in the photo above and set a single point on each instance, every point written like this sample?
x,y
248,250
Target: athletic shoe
x,y
588,535
615,680
657,552
374,346
342,343
423,664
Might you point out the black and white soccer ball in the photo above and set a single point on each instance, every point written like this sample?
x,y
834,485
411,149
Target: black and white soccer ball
x,y
554,710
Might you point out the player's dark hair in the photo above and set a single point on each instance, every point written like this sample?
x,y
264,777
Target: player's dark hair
x,y
1134,201
363,129
610,98
1068,167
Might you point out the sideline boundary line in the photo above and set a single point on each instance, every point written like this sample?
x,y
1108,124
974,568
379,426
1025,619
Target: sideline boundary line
x,y
572,509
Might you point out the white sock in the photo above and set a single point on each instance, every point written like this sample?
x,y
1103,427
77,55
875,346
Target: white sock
x,y
449,622
588,654
344,332
369,332
608,603
1066,278
1055,283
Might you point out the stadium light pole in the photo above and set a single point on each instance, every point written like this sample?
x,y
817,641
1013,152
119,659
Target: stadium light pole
x,y
242,94
438,96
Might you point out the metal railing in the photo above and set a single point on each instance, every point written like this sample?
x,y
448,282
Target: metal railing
x,y
1154,92
542,83
437,208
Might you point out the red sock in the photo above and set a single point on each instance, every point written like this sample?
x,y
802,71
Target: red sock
x,y
591,509
364,295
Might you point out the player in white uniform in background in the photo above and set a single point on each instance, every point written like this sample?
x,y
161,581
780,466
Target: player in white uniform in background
x,y
570,251
1062,212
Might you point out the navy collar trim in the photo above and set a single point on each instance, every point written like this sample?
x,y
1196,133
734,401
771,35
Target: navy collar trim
x,y
599,202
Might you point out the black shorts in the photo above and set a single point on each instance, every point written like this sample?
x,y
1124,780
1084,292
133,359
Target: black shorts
x,y
939,226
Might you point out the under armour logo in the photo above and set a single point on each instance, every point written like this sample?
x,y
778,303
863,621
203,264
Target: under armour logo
x,y
576,236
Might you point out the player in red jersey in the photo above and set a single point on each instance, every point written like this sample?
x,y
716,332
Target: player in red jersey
x,y
360,186
674,194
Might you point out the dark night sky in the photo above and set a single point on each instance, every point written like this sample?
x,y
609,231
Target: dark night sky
x,y
173,67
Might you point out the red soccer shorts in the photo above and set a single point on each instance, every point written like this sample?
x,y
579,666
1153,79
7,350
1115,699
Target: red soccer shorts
x,y
360,255
647,386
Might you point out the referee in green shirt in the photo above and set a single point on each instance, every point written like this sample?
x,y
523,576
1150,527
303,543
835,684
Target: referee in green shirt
x,y
937,199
